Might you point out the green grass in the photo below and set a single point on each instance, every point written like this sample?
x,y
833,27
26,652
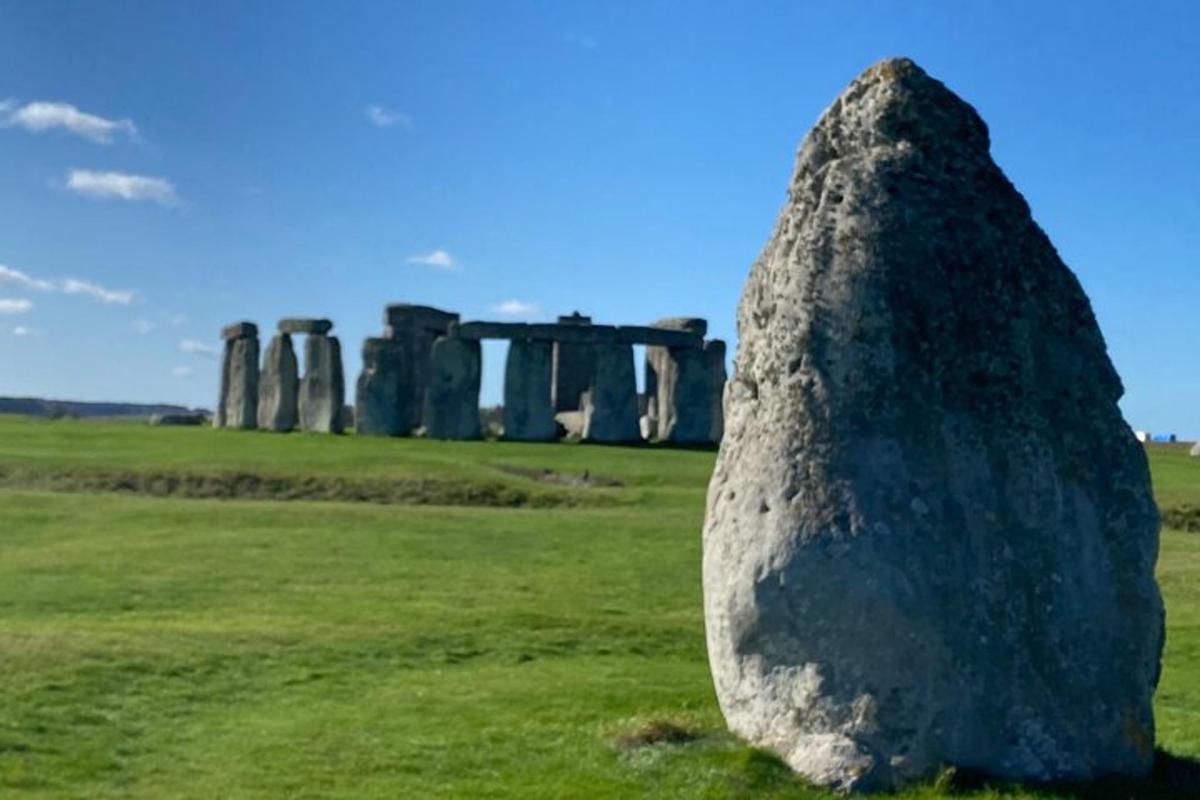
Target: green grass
x,y
169,647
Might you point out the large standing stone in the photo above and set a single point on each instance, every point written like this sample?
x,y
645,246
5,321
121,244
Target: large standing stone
x,y
381,407
610,406
573,365
323,389
452,399
417,327
528,409
662,373
237,406
930,534
279,386
689,396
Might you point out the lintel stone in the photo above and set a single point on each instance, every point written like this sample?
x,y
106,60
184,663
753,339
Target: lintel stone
x,y
318,327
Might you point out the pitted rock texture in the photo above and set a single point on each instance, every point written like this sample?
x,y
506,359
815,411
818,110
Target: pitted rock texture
x,y
323,388
528,406
279,386
238,403
381,405
452,399
610,405
930,535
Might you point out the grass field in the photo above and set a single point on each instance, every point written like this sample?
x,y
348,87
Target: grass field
x,y
198,613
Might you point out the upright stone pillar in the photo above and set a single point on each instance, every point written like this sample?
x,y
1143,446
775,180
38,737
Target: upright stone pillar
x,y
573,365
323,389
279,386
381,408
416,327
528,408
610,406
237,406
452,397
691,413
662,376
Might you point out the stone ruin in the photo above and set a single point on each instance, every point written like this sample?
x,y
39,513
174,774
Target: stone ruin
x,y
424,374
931,537
275,397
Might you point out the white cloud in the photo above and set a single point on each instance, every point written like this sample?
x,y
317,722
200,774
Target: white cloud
x,y
198,348
21,330
10,305
43,116
382,117
183,372
515,308
121,186
68,286
176,319
10,275
142,326
111,296
436,258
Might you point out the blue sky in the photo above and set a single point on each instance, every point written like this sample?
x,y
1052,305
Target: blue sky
x,y
171,167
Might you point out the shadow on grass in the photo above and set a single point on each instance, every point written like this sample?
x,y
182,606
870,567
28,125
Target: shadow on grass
x,y
1171,778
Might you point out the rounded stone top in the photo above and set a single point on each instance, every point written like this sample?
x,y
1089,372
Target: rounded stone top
x,y
317,327
239,330
895,103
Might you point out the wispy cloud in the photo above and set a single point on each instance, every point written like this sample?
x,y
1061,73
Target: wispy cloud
x,y
9,305
439,259
21,330
111,296
199,348
121,186
383,117
515,308
183,372
69,286
42,116
10,275
142,326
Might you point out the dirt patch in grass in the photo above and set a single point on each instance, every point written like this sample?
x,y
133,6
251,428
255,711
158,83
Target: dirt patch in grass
x,y
257,486
546,475
657,731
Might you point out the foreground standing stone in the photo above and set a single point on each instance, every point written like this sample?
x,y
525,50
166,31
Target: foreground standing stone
x,y
237,405
381,407
323,388
930,535
610,406
452,398
417,327
573,365
279,386
528,407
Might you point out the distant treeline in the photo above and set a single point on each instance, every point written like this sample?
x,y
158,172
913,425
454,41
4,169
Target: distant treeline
x,y
38,407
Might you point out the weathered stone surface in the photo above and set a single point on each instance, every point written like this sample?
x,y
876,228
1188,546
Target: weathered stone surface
x,y
323,388
240,330
1195,451
452,400
610,406
316,327
689,387
572,367
930,535
417,327
279,386
696,325
571,423
381,405
528,407
238,404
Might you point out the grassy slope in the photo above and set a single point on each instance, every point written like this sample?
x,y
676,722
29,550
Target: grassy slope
x,y
182,648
